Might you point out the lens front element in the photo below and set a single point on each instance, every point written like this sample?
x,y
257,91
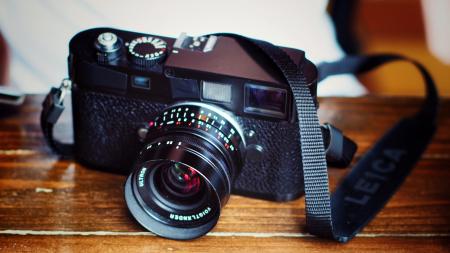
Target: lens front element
x,y
182,181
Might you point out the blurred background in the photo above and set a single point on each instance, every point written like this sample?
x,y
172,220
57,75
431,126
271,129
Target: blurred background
x,y
35,35
419,29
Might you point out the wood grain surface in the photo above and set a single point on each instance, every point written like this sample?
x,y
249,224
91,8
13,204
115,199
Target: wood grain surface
x,y
48,204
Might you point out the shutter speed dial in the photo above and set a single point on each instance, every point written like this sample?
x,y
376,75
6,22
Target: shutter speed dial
x,y
146,51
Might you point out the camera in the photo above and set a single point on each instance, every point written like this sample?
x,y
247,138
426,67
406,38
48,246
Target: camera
x,y
190,120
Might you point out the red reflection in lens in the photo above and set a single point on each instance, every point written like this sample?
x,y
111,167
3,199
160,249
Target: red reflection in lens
x,y
192,180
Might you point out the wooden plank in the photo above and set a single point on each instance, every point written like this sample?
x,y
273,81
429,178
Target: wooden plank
x,y
44,195
218,244
82,199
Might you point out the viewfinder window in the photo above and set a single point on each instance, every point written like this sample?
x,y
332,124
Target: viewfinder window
x,y
266,101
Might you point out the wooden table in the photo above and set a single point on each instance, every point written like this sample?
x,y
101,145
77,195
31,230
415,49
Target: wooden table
x,y
47,204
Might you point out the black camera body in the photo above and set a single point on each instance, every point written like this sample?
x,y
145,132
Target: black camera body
x,y
194,119
123,80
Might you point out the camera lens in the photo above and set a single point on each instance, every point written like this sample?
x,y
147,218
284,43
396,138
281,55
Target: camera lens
x,y
183,175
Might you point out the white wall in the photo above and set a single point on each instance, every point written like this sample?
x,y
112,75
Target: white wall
x,y
38,31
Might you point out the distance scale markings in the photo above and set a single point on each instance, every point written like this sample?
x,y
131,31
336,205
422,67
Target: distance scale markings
x,y
194,117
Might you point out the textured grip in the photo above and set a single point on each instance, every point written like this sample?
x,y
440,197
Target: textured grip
x,y
278,175
105,128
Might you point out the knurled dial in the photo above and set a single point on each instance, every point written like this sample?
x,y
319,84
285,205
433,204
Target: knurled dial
x,y
147,51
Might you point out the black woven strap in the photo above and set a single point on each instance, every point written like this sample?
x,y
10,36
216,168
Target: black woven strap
x,y
376,177
317,198
381,171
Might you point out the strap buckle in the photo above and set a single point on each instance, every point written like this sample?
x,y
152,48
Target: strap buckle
x,y
53,105
66,85
340,149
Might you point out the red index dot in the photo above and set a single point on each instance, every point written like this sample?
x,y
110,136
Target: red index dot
x,y
151,123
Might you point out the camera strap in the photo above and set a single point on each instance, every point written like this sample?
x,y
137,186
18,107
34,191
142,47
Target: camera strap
x,y
52,108
372,181
379,173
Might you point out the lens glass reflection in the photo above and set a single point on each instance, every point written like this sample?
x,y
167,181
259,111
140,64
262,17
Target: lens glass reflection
x,y
182,180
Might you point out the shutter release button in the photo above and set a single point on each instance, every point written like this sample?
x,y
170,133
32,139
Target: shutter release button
x,y
108,47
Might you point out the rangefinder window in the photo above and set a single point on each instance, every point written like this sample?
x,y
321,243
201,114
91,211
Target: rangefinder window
x,y
266,101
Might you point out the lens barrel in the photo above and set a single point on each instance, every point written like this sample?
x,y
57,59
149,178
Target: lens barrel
x,y
183,175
